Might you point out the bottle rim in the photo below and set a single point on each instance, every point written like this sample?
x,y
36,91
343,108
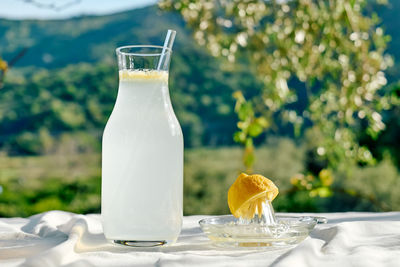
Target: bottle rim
x,y
159,48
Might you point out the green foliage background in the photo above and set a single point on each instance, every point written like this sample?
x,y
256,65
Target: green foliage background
x,y
56,100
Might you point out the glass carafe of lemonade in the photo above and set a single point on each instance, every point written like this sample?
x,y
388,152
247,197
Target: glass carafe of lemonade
x,y
142,153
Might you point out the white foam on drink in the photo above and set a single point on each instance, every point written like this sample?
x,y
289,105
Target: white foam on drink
x,y
137,75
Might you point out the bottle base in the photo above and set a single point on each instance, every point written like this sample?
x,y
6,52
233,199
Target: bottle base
x,y
141,244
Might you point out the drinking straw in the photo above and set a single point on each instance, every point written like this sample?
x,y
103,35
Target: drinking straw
x,y
168,43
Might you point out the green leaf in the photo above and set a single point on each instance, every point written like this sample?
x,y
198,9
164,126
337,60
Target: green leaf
x,y
249,142
255,129
239,137
245,111
326,177
263,122
249,160
324,192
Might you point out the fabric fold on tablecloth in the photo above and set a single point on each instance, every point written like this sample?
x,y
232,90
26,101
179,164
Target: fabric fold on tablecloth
x,y
356,243
58,238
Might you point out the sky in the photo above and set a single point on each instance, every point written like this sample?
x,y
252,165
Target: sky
x,y
28,9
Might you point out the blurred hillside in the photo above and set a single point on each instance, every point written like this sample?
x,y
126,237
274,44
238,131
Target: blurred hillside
x,y
57,98
66,82
93,39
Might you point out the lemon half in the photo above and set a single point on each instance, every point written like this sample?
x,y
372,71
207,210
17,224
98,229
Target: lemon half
x,y
248,192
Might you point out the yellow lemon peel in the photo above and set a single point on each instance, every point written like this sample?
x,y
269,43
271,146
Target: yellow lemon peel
x,y
248,193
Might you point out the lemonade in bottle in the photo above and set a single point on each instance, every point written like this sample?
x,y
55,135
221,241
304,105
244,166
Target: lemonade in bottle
x,y
142,153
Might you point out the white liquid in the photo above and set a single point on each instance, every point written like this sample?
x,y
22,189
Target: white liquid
x,y
142,162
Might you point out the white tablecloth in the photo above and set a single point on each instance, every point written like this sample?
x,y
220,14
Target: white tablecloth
x,y
57,238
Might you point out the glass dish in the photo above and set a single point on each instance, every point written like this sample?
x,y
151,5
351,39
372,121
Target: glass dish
x,y
289,230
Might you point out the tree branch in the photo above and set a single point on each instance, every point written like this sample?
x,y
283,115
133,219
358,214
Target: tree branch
x,y
12,63
52,6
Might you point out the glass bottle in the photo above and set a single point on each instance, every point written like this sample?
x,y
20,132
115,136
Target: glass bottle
x,y
142,153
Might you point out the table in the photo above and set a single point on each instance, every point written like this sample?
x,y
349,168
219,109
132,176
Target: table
x,y
57,238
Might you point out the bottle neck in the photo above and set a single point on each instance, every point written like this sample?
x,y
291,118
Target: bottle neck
x,y
143,88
